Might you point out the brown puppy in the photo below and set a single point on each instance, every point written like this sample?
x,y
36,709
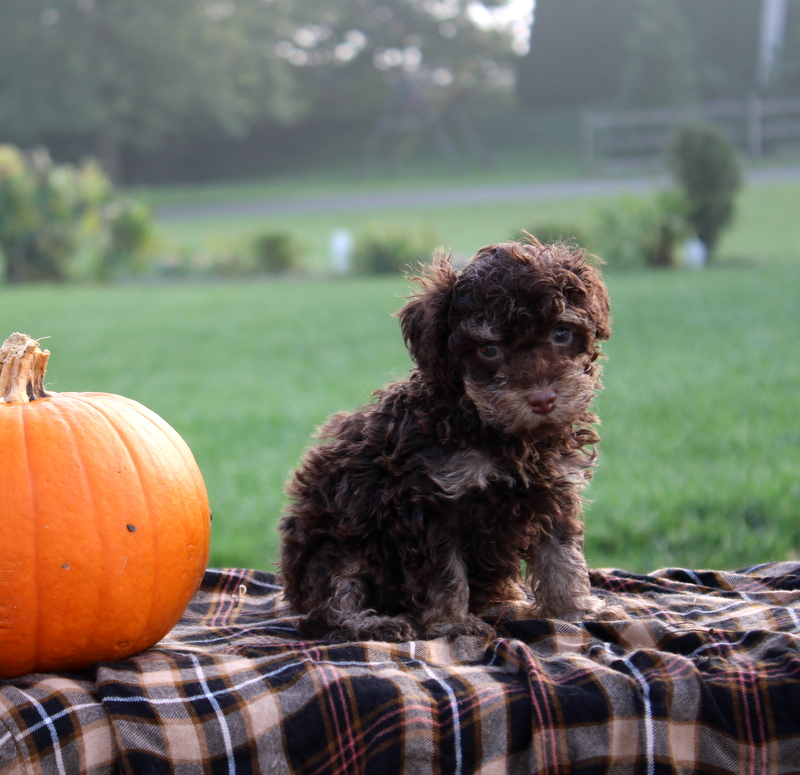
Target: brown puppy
x,y
415,512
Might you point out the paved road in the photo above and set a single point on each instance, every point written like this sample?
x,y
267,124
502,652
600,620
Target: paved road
x,y
451,195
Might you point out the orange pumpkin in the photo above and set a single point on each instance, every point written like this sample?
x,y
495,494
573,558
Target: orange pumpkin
x,y
104,522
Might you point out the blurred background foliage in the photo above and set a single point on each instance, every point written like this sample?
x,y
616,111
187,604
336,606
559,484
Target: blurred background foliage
x,y
126,78
650,53
197,91
65,222
200,89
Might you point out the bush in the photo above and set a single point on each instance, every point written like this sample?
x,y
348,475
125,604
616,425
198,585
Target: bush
x,y
40,210
276,252
58,222
634,233
130,234
390,251
707,168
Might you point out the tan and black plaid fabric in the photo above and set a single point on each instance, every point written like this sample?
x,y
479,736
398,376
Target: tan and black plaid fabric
x,y
703,676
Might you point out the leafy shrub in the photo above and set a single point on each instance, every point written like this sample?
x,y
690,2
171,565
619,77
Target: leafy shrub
x,y
269,253
635,232
394,250
707,168
130,234
63,221
39,216
214,260
276,252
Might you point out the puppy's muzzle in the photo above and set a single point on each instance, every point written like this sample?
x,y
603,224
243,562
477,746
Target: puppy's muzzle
x,y
542,401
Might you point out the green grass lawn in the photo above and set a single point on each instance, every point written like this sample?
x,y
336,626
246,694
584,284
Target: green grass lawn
x,y
701,444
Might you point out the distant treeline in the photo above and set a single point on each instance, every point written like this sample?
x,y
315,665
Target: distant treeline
x,y
655,53
199,89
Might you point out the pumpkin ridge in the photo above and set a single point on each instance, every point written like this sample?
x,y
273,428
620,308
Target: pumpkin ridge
x,y
90,402
178,443
182,449
61,409
155,425
34,581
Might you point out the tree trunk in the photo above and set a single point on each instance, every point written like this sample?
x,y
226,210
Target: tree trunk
x,y
108,150
14,266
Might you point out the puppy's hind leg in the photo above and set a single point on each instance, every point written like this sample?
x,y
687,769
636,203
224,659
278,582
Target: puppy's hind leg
x,y
342,612
445,602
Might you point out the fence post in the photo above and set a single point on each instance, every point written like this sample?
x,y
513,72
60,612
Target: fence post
x,y
587,140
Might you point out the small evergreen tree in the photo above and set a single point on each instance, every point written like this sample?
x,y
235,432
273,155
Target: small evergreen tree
x,y
707,168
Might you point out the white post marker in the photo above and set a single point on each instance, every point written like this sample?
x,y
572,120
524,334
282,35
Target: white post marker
x,y
341,250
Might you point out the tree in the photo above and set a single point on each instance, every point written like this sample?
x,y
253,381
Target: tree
x,y
577,53
726,45
129,72
660,58
787,75
347,55
603,53
132,73
706,166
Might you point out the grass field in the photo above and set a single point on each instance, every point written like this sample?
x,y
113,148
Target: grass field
x,y
701,444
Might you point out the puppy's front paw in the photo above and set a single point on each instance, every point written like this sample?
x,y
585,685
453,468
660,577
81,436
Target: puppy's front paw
x,y
587,608
597,610
472,625
390,629
608,613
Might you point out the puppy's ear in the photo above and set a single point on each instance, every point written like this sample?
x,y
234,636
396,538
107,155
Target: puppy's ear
x,y
593,296
597,302
423,320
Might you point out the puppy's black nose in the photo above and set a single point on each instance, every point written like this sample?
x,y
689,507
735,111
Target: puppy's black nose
x,y
542,401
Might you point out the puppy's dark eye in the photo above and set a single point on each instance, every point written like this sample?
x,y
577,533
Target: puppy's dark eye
x,y
489,351
562,336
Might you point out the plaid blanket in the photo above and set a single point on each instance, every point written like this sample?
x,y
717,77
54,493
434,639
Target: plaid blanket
x,y
703,676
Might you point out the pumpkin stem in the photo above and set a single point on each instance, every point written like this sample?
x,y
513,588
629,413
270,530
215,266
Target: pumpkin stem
x,y
22,368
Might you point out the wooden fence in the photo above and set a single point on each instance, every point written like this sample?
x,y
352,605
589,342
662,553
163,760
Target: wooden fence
x,y
618,139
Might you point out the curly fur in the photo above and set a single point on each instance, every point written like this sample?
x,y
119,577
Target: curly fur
x,y
415,512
